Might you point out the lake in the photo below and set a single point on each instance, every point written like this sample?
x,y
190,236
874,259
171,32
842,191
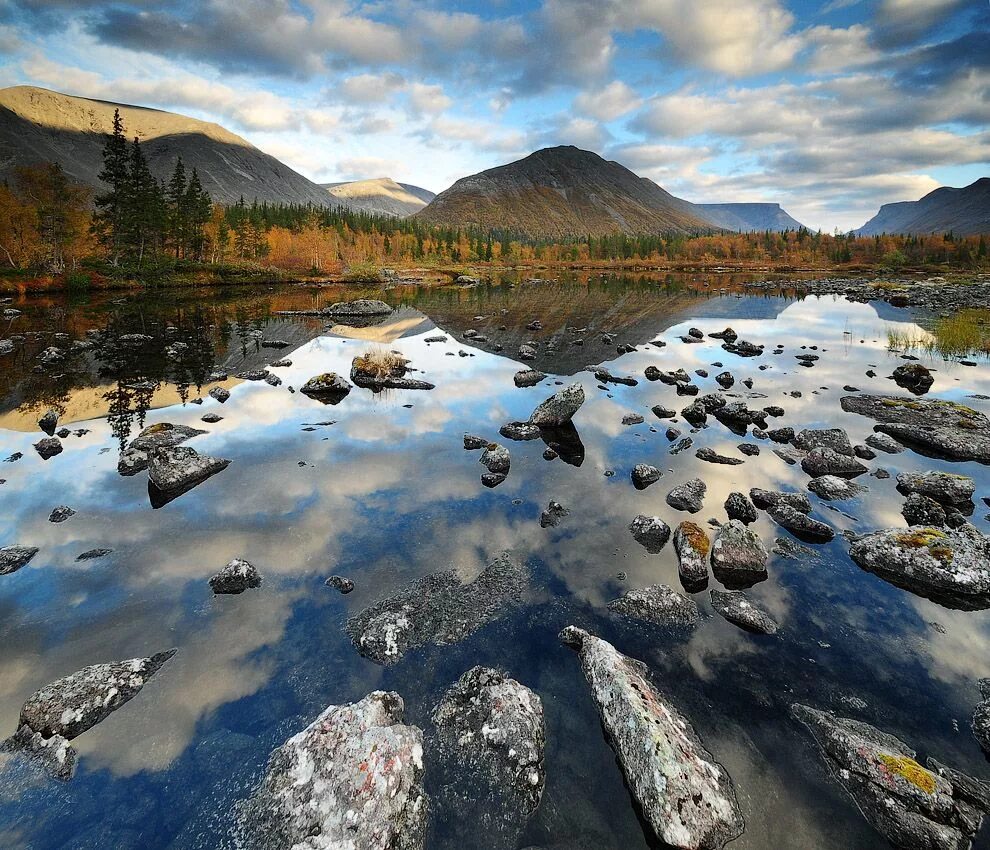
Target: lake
x,y
379,488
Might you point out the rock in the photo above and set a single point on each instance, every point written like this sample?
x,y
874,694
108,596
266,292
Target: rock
x,y
12,558
607,377
737,417
684,794
663,412
766,499
707,453
944,487
632,419
651,532
749,449
49,422
220,394
832,488
253,375
800,524
673,378
528,377
981,716
360,307
743,348
921,510
781,435
436,338
496,459
436,609
6,346
686,389
176,470
369,375
92,554
725,379
351,779
948,566
520,431
341,584
472,443
940,428
329,387
52,754
559,408
554,513
692,546
737,506
864,452
658,604
211,418
735,607
489,758
161,435
695,413
688,496
825,461
61,514
913,808
884,443
913,377
824,438
493,479
643,475
48,447
527,352
739,558
236,577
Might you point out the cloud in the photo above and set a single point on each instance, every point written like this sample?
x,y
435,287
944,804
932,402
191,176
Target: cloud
x,y
901,21
608,103
361,167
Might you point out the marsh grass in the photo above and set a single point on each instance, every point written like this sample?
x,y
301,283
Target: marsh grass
x,y
964,333
381,363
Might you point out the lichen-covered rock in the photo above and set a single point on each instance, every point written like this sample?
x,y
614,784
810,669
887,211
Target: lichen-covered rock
x,y
739,558
52,754
911,806
685,795
359,307
473,443
766,499
940,428
884,443
351,779
914,377
801,525
826,438
736,607
161,435
944,487
832,488
644,474
329,386
559,408
689,496
12,558
659,604
692,546
650,532
737,506
221,394
236,577
489,758
436,609
174,471
921,510
496,459
949,566
520,431
825,461
61,514
528,377
981,716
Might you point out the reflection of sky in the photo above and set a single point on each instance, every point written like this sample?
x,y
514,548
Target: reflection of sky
x,y
386,494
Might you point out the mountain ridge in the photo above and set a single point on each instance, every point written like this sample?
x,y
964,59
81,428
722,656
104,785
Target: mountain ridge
x,y
380,195
965,211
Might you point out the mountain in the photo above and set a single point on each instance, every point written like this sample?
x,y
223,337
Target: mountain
x,y
37,125
747,218
382,196
562,191
964,211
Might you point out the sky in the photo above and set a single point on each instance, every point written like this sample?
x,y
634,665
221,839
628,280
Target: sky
x,y
829,109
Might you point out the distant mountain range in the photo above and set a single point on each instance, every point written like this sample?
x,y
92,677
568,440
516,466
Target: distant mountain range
x,y
381,195
38,125
748,217
964,211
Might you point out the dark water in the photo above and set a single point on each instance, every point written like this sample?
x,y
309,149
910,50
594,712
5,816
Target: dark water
x,y
386,494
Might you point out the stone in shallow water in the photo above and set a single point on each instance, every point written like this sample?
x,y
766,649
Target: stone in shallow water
x,y
944,487
496,459
528,377
739,558
736,607
833,488
236,577
644,474
659,604
948,566
912,807
737,506
177,470
554,513
921,510
650,532
688,496
351,779
488,757
61,514
800,524
12,558
835,439
685,795
436,609
329,387
559,408
981,716
48,447
825,461
692,546
766,499
707,453
360,307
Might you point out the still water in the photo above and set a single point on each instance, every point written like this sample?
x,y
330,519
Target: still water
x,y
378,488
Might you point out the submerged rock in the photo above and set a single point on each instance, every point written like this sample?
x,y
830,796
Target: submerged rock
x,y
912,807
559,408
496,459
643,475
736,607
800,524
436,609
659,604
528,377
944,487
329,387
689,496
939,428
832,488
685,795
554,513
61,514
176,470
921,510
981,716
948,566
692,546
766,499
914,377
489,758
737,506
739,558
236,577
650,532
351,779
825,461
12,558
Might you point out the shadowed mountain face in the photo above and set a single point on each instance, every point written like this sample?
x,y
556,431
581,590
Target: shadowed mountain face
x,y
964,211
562,191
37,125
746,218
382,196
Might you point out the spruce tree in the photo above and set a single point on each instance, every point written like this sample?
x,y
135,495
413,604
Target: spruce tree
x,y
108,221
175,219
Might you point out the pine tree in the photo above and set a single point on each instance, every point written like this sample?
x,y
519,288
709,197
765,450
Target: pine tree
x,y
108,221
175,199
196,209
144,207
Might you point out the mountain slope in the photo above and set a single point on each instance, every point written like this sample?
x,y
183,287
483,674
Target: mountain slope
x,y
562,191
964,211
37,125
382,196
747,218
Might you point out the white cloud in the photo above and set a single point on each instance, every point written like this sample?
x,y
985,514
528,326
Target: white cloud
x,y
608,103
428,99
361,167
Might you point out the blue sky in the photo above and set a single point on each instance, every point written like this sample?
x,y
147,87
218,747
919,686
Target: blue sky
x,y
827,108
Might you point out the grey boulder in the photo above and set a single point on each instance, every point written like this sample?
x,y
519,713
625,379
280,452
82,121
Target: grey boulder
x,y
12,558
739,558
659,604
689,496
644,474
559,408
692,546
736,607
832,488
945,488
650,532
236,577
176,470
826,461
